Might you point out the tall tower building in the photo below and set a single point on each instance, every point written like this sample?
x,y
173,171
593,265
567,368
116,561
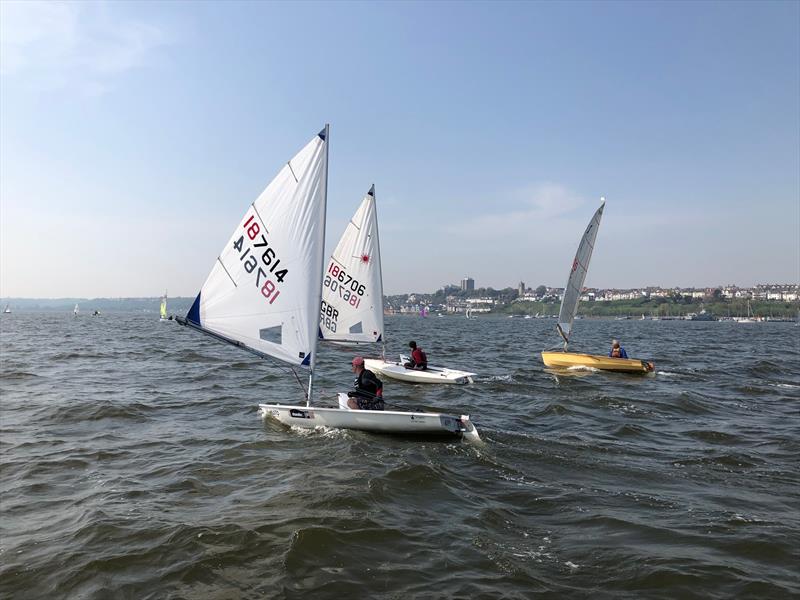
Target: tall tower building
x,y
521,289
467,284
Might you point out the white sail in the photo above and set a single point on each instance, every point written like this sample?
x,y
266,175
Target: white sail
x,y
75,310
164,306
263,292
577,275
352,287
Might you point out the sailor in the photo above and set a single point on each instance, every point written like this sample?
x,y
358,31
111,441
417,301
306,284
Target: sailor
x,y
617,351
368,392
419,360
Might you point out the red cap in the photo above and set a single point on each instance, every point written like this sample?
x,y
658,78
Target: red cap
x,y
358,361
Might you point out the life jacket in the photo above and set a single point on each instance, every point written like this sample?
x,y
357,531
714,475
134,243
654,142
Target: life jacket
x,y
419,357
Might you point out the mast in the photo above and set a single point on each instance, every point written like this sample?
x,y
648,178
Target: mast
x,y
380,271
325,135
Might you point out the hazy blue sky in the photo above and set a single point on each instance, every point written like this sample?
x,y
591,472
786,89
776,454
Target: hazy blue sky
x,y
134,135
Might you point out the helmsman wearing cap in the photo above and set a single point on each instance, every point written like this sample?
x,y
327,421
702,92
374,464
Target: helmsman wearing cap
x,y
368,392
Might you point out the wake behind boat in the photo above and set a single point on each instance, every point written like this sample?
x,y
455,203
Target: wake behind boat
x,y
569,308
264,295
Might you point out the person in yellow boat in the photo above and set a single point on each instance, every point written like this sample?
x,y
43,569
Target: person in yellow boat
x,y
617,351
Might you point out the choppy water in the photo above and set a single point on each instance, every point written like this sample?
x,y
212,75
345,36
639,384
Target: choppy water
x,y
134,465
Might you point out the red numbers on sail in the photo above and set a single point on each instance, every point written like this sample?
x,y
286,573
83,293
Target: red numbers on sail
x,y
260,259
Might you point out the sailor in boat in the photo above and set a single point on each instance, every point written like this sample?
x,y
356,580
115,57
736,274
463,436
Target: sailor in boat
x,y
617,351
368,392
418,360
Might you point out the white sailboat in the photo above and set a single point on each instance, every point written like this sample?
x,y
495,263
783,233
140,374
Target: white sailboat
x,y
75,311
163,308
264,295
355,315
7,309
749,318
352,286
569,307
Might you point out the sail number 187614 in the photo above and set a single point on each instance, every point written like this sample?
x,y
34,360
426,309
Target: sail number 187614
x,y
269,260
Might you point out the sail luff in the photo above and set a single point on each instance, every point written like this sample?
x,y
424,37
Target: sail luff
x,y
577,276
318,273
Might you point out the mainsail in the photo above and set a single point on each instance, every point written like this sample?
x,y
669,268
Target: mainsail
x,y
577,275
263,292
164,306
352,286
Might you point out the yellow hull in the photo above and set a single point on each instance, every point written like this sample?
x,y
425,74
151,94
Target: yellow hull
x,y
565,360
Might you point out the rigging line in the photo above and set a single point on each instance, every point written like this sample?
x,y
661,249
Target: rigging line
x,y
296,180
302,387
233,281
255,210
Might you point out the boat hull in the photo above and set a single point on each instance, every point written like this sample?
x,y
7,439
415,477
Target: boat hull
x,y
378,421
566,360
396,370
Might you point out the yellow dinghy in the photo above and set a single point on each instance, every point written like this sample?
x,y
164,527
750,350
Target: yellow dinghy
x,y
569,308
565,360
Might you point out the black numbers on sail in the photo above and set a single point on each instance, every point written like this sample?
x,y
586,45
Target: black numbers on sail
x,y
238,244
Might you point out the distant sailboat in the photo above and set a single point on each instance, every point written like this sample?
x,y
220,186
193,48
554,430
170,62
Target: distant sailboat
x,y
7,309
749,318
163,307
75,311
569,307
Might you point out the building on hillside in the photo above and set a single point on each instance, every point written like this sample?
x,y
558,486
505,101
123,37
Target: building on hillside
x,y
467,284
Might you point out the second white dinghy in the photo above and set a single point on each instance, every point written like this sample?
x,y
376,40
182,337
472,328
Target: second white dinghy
x,y
397,370
352,299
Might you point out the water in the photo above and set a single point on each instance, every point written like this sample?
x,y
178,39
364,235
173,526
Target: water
x,y
134,465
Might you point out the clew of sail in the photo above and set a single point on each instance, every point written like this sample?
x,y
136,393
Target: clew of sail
x,y
352,287
263,292
577,275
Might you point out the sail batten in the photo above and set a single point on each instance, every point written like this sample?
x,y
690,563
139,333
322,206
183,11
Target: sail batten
x,y
263,277
577,276
352,289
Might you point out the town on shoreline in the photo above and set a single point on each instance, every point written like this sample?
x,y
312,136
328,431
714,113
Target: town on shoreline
x,y
775,301
768,301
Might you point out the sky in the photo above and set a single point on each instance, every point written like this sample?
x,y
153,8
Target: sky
x,y
133,136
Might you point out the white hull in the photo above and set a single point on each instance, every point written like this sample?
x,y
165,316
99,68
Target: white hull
x,y
396,370
379,421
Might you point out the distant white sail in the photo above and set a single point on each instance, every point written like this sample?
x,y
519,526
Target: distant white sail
x,y
263,291
75,310
352,288
164,306
577,275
